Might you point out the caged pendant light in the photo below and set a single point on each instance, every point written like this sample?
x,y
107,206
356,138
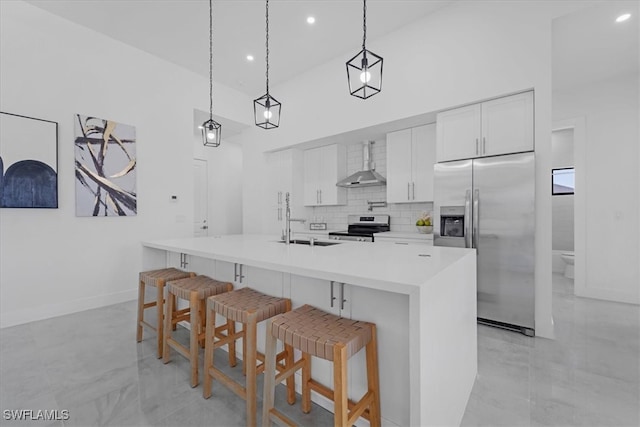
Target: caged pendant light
x,y
211,130
364,71
266,109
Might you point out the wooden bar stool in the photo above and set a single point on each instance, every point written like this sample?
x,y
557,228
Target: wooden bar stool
x,y
248,307
317,333
157,279
195,290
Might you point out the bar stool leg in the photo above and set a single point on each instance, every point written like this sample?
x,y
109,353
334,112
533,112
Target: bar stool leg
x,y
291,381
208,351
244,350
250,357
373,380
168,320
141,287
194,319
306,378
231,330
269,376
160,313
340,396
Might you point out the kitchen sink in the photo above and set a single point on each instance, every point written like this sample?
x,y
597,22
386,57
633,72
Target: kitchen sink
x,y
308,243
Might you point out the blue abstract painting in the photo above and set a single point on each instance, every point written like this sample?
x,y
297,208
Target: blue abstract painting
x,y
28,162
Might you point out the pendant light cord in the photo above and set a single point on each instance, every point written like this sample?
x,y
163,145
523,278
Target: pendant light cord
x,y
267,44
364,24
210,60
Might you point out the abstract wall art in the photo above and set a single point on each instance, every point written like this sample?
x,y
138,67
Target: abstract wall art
x,y
105,162
28,162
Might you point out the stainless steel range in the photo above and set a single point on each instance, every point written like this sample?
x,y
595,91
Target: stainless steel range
x,y
362,228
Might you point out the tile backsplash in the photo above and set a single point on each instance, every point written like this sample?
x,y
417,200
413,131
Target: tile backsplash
x,y
403,215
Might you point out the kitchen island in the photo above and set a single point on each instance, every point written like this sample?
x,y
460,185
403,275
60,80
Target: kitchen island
x,y
422,299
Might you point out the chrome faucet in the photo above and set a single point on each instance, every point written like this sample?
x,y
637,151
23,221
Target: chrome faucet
x,y
289,220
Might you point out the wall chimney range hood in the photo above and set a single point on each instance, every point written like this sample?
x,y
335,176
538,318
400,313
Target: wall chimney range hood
x,y
367,177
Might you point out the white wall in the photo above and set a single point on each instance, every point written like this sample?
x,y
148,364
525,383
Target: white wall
x,y
51,262
562,205
464,53
609,211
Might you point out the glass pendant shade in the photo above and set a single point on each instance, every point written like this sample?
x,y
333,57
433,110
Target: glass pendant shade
x,y
267,112
211,133
364,72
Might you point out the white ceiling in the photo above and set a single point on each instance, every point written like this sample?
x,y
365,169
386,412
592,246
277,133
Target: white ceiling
x,y
589,46
178,31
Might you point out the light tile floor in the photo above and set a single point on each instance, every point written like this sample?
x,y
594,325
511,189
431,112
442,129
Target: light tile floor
x,y
90,364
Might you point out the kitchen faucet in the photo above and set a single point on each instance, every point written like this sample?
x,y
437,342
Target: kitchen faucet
x,y
288,220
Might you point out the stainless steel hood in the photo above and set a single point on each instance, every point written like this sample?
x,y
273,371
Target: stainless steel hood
x,y
367,176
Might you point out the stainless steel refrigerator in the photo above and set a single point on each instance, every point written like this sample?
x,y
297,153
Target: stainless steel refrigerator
x,y
489,204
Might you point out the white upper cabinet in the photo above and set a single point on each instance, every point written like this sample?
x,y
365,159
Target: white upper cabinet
x,y
507,125
459,133
410,160
499,126
323,168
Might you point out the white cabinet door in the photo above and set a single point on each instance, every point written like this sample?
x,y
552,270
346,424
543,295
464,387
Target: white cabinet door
x,y
423,157
399,166
273,194
459,133
323,168
410,158
507,124
311,177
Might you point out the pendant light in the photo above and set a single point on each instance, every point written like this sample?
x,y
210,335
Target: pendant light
x,y
364,71
266,109
211,130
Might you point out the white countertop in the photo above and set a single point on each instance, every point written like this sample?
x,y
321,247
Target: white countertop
x,y
405,235
395,268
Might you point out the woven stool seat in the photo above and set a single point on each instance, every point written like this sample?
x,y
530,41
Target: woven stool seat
x,y
237,305
156,277
316,332
203,285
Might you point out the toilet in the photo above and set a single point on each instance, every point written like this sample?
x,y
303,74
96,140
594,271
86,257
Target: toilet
x,y
568,258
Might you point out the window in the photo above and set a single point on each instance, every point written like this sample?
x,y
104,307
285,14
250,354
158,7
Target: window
x,y
563,181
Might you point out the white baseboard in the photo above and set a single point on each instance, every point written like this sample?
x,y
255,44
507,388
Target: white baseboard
x,y
608,295
19,317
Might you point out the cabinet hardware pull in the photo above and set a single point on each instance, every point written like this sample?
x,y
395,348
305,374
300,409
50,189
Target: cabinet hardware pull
x,y
484,145
342,300
413,189
320,196
235,271
241,275
332,298
477,147
408,190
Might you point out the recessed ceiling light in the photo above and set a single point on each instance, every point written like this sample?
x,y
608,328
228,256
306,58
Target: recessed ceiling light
x,y
311,20
623,18
249,57
200,127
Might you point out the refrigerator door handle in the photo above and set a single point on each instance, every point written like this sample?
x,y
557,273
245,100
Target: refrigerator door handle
x,y
476,217
467,219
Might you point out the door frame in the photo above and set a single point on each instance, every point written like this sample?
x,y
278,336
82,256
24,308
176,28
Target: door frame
x,y
578,124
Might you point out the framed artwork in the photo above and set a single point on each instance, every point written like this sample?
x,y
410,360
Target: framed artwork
x,y
105,163
28,162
